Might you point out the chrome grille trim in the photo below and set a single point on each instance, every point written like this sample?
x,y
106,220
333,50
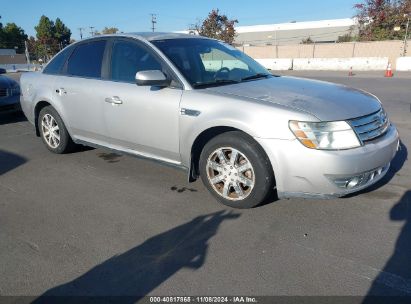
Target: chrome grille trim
x,y
371,126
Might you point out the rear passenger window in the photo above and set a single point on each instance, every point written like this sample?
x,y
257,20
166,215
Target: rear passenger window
x,y
55,66
128,58
87,59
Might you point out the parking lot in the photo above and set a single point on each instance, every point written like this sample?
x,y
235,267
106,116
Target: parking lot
x,y
97,223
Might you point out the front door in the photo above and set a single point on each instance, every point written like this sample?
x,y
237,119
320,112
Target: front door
x,y
141,119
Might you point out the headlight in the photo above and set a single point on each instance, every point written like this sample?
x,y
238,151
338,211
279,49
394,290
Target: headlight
x,y
336,135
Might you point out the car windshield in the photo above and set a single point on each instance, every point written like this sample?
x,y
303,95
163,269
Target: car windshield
x,y
205,62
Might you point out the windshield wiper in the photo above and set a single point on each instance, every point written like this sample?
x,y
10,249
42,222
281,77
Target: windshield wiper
x,y
256,76
217,82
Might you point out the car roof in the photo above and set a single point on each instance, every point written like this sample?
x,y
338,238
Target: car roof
x,y
163,35
151,36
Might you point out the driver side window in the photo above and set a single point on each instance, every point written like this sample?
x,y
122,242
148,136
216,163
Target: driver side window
x,y
128,58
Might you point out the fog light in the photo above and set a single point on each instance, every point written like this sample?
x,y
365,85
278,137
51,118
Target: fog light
x,y
359,180
353,182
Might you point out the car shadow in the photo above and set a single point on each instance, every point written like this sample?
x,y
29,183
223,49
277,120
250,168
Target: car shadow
x,y
396,165
10,161
11,117
81,148
271,198
395,278
135,273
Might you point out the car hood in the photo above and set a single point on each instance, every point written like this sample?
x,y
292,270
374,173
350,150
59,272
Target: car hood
x,y
324,100
6,82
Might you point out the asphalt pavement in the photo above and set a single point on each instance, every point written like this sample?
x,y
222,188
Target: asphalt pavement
x,y
97,223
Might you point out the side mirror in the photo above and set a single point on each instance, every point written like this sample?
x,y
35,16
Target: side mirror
x,y
3,71
152,78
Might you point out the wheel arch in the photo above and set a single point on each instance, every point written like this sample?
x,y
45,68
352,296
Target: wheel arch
x,y
38,107
42,103
202,139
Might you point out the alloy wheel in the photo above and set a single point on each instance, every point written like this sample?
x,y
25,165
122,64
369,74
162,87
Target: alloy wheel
x,y
230,173
50,131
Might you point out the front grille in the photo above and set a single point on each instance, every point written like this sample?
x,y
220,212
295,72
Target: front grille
x,y
3,92
371,126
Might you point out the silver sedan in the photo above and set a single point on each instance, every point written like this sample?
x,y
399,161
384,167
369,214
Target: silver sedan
x,y
204,106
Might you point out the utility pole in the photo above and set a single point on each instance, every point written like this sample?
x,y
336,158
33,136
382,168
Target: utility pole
x,y
81,32
153,21
26,51
91,30
406,34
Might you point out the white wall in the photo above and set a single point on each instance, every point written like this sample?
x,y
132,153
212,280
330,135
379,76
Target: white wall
x,y
277,64
327,64
341,64
404,64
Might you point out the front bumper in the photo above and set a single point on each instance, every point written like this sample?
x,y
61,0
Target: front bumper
x,y
304,172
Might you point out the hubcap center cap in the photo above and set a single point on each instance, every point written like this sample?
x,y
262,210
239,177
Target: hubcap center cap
x,y
231,173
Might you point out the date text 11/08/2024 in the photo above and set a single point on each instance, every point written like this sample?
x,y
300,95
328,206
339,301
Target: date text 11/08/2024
x,y
236,299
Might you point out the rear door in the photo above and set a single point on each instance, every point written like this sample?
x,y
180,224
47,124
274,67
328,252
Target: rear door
x,y
81,92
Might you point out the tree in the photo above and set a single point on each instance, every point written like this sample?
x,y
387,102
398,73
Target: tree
x,y
32,48
351,35
307,41
47,43
346,38
51,37
12,36
2,36
378,18
218,27
109,30
36,49
62,33
45,30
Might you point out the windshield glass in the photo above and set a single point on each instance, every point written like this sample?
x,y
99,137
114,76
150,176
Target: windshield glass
x,y
205,62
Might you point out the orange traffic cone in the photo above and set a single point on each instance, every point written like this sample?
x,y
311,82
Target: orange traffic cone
x,y
350,73
388,71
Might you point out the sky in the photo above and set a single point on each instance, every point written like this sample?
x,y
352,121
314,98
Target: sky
x,y
172,15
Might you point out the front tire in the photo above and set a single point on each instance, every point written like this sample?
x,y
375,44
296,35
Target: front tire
x,y
236,170
53,132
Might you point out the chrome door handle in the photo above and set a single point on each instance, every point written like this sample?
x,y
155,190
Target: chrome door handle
x,y
114,100
61,91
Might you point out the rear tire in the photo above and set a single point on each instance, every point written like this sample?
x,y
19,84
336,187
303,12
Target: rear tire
x,y
53,132
236,170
